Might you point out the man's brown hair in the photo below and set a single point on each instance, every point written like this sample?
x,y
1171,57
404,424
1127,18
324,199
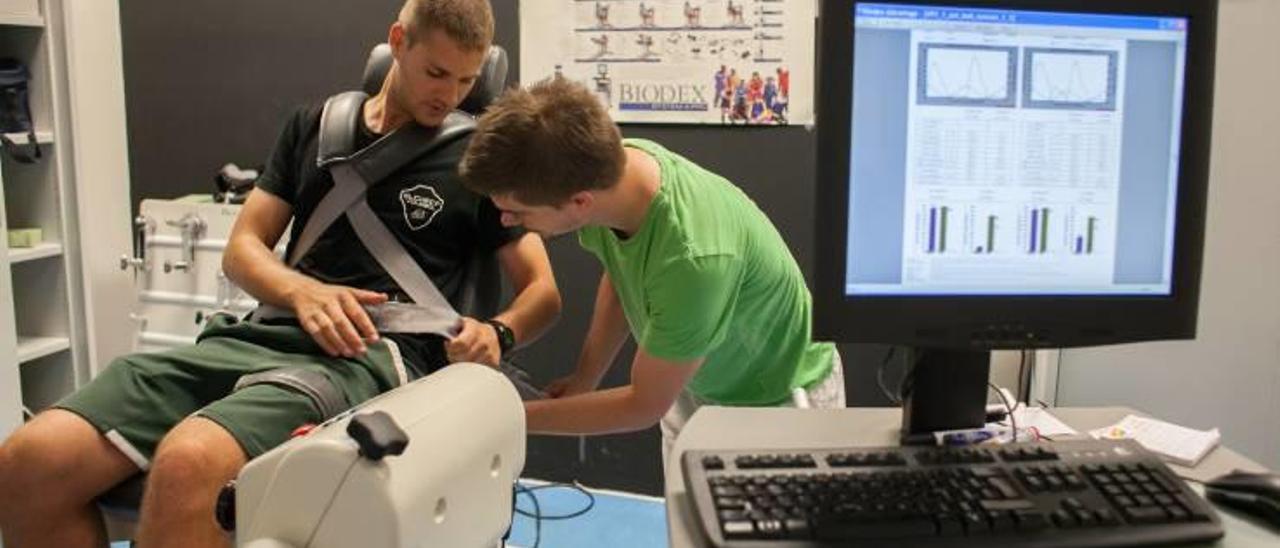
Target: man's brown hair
x,y
467,22
544,144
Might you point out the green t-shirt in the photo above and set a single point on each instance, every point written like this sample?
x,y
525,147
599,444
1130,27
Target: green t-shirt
x,y
708,275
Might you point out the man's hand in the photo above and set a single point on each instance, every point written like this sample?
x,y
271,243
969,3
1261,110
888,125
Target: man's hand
x,y
334,316
476,342
571,385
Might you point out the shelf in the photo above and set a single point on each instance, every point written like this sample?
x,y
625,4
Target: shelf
x,y
33,348
40,251
42,137
21,19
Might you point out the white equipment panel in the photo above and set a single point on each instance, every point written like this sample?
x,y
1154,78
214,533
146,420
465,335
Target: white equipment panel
x,y
178,271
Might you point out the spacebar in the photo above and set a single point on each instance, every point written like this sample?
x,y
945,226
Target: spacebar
x,y
835,528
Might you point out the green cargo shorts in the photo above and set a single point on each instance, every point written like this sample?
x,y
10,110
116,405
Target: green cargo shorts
x,y
138,398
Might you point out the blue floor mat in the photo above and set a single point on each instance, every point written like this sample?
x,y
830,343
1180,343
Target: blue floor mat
x,y
619,520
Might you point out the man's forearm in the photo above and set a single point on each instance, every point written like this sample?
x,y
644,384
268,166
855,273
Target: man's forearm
x,y
533,311
608,331
251,266
610,411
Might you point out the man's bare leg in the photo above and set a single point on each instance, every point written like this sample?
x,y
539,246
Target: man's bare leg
x,y
51,469
193,462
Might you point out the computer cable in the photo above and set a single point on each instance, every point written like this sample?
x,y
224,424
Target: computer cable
x,y
908,379
1013,423
538,517
894,397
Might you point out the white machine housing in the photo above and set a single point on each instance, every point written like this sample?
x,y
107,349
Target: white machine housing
x,y
452,486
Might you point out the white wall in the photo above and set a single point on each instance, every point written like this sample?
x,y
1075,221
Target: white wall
x,y
1229,377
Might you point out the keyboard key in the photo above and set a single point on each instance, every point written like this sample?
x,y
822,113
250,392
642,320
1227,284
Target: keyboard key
x,y
769,528
727,491
1004,505
738,529
1030,520
1004,486
797,528
1064,519
731,503
1085,518
1106,517
949,525
974,524
733,515
835,528
1001,521
1194,508
1146,514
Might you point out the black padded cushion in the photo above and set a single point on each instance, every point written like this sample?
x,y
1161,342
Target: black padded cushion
x,y
493,77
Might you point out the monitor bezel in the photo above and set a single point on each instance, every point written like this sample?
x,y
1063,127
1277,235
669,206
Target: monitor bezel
x,y
1008,321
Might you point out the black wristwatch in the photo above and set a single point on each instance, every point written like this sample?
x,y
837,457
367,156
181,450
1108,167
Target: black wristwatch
x,y
506,337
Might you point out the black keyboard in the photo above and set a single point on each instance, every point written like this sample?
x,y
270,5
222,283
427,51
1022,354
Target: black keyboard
x,y
1083,493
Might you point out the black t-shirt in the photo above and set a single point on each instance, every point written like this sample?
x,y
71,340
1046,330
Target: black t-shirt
x,y
438,221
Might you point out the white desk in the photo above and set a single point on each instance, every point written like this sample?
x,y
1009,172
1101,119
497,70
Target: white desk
x,y
736,428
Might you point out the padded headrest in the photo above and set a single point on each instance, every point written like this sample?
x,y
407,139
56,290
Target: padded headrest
x,y
492,80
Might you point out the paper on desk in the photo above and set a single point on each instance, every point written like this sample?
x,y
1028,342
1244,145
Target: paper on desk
x,y
1176,444
1040,419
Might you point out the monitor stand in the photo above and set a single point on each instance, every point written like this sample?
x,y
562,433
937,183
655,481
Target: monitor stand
x,y
947,391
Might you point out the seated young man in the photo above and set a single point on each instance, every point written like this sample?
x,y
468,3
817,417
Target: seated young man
x,y
182,416
693,269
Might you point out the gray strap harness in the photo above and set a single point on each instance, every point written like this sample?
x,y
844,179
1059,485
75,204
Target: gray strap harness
x,y
353,173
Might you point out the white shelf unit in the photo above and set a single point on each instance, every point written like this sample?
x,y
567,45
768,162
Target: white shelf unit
x,y
19,19
43,333
42,250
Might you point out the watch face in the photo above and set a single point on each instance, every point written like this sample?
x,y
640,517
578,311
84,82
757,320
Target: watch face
x,y
506,339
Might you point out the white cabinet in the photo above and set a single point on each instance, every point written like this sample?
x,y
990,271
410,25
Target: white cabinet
x,y
76,193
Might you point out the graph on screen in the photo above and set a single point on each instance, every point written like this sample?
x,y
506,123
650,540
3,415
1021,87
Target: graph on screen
x,y
1070,79
967,75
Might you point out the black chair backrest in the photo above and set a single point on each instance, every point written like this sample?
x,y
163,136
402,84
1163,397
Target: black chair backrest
x,y
492,80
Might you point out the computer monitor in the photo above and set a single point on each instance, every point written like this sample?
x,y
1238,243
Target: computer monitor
x,y
1009,174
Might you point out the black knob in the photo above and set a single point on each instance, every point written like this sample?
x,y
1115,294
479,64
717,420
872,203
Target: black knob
x,y
225,510
377,435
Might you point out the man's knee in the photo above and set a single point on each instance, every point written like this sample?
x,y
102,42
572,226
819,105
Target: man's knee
x,y
31,459
190,457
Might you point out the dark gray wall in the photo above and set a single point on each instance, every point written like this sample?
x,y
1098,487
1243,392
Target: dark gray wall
x,y
209,82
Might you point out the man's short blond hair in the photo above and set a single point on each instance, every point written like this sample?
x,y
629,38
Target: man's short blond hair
x,y
467,22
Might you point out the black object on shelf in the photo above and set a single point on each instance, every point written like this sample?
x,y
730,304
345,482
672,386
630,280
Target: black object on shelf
x,y
15,110
234,183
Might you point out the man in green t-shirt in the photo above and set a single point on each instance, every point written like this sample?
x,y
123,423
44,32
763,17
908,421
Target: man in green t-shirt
x,y
693,269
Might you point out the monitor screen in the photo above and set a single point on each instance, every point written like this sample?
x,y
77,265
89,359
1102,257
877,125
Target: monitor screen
x,y
1003,173
1011,152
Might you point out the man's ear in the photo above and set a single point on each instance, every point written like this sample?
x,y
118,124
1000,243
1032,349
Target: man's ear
x,y
582,200
396,38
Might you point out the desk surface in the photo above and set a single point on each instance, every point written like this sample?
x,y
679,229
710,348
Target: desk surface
x,y
730,428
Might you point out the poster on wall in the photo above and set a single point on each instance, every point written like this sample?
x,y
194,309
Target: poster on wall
x,y
678,61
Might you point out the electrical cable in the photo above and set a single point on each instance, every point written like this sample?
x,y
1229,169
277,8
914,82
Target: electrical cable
x,y
894,398
538,517
908,379
1024,386
1013,423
